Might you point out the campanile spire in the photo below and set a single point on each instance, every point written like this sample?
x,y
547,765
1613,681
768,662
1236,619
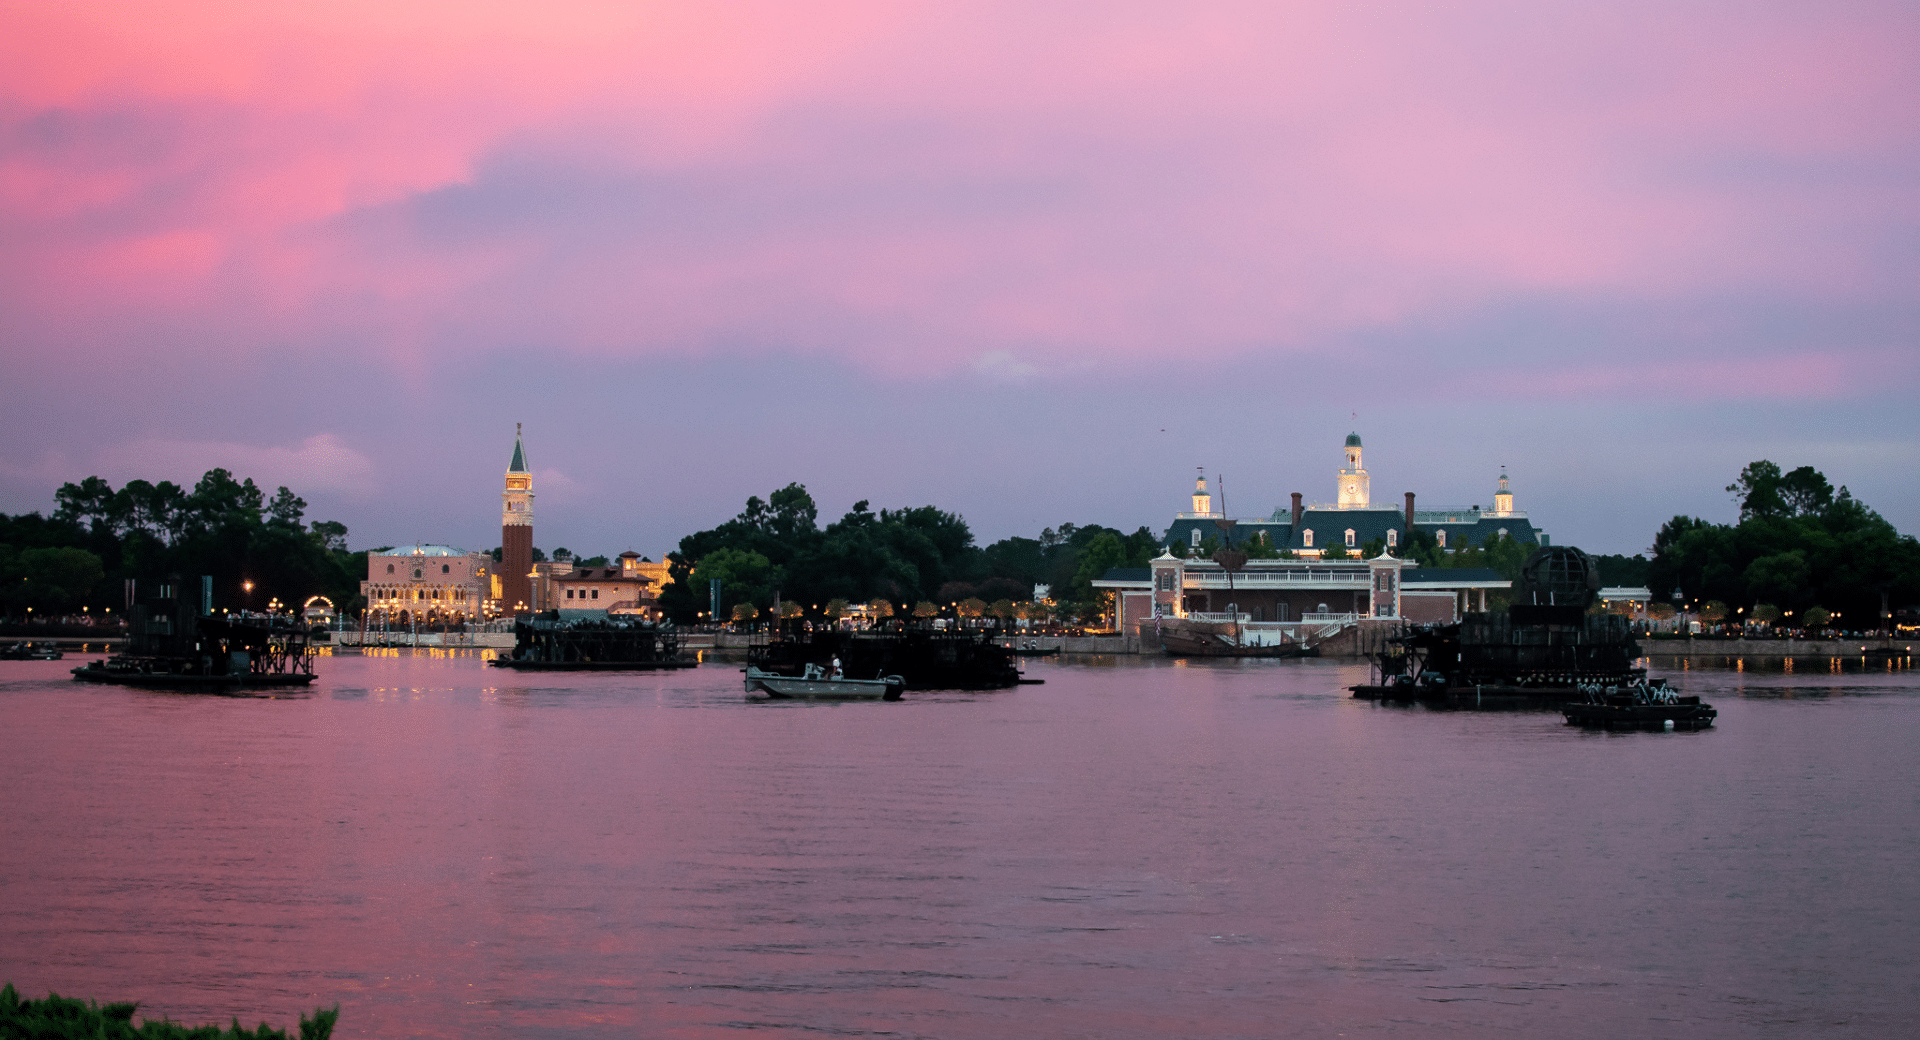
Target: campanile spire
x,y
516,532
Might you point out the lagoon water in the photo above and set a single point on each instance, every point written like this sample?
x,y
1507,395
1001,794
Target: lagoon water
x,y
1138,848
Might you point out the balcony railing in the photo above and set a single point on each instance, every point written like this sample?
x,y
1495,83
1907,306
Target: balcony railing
x,y
1356,579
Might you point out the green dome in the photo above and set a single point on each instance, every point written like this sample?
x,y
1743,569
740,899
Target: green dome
x,y
1353,440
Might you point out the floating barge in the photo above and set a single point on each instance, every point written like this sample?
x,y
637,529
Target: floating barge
x,y
1542,652
547,644
172,647
926,659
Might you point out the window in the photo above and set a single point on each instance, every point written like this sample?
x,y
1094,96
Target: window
x,y
416,573
1196,537
1306,538
1165,579
569,593
1441,537
596,593
1349,537
389,568
1393,538
1503,532
446,568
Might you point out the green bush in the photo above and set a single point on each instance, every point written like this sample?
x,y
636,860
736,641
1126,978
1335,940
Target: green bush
x,y
59,1018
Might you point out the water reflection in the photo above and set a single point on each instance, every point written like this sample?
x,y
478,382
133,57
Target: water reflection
x,y
1138,848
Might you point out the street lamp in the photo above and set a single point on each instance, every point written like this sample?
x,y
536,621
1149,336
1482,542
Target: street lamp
x,y
247,588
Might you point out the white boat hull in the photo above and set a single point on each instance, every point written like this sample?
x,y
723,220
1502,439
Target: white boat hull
x,y
787,686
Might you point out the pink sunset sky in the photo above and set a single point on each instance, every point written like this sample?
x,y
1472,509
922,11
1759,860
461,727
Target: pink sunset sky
x,y
1029,262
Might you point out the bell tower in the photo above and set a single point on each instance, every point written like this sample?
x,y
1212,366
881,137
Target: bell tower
x,y
1353,489
516,533
1503,496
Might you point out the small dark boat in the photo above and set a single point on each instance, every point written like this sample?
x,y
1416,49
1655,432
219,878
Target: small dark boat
x,y
1194,636
29,652
1650,704
813,683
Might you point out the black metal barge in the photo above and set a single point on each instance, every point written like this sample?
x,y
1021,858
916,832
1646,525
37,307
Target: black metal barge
x,y
612,645
172,646
1539,653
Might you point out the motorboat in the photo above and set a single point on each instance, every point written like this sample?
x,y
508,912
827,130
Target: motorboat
x,y
814,683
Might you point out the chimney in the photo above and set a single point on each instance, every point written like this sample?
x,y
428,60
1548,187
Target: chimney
x,y
1409,512
1296,513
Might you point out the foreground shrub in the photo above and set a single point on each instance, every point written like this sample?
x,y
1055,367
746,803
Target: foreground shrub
x,y
58,1018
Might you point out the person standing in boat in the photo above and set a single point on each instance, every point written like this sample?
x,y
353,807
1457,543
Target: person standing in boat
x,y
833,670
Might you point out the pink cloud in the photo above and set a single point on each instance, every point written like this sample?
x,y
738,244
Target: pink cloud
x,y
922,188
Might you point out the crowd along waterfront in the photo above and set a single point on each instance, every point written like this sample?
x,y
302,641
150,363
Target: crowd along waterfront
x,y
1141,847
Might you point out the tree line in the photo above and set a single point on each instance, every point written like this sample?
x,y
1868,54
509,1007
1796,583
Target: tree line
x,y
230,529
905,557
1798,547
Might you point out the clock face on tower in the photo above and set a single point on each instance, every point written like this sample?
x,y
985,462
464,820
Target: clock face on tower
x,y
1351,488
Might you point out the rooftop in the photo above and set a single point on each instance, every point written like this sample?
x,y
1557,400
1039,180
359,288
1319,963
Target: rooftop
x,y
422,550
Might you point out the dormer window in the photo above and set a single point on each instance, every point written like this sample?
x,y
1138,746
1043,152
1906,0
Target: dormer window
x,y
1393,538
1306,538
1349,537
1196,537
1441,537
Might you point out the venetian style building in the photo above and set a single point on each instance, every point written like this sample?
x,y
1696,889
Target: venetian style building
x,y
513,591
428,583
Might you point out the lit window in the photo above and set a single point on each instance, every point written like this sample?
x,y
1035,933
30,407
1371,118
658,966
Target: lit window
x,y
1393,538
1441,537
1306,538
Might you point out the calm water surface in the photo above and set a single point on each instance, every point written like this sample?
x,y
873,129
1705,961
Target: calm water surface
x,y
1138,848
